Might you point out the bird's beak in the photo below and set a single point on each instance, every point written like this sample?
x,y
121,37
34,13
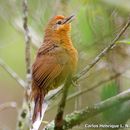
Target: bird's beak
x,y
69,19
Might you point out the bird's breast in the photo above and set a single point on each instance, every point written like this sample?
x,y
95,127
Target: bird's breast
x,y
70,66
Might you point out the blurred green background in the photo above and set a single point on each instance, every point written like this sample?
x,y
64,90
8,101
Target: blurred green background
x,y
97,23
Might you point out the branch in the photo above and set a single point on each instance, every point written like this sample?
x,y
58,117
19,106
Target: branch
x,y
12,73
53,94
83,73
27,41
78,117
60,111
24,120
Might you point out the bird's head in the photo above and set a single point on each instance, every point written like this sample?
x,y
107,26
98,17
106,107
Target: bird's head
x,y
60,24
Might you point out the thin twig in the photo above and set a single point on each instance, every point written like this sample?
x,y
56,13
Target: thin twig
x,y
83,73
94,86
7,105
12,73
78,117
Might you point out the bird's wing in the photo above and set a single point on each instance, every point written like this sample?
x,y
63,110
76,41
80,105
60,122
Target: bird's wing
x,y
48,65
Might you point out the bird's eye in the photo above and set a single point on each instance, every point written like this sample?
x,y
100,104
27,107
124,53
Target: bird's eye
x,y
59,22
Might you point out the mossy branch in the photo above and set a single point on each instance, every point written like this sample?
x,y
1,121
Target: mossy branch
x,y
78,117
24,122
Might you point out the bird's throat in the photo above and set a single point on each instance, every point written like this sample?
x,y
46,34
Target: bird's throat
x,y
62,39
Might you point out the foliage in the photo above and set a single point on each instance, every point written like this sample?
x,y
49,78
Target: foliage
x,y
110,90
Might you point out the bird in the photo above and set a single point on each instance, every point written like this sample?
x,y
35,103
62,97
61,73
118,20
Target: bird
x,y
55,60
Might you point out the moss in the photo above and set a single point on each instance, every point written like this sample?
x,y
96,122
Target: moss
x,y
23,114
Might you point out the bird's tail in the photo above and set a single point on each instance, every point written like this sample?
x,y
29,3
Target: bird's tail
x,y
38,101
39,108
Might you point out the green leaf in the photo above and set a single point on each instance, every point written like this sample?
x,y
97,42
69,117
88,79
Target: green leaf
x,y
109,90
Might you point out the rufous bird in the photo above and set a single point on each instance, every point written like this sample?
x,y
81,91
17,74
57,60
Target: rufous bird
x,y
55,60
